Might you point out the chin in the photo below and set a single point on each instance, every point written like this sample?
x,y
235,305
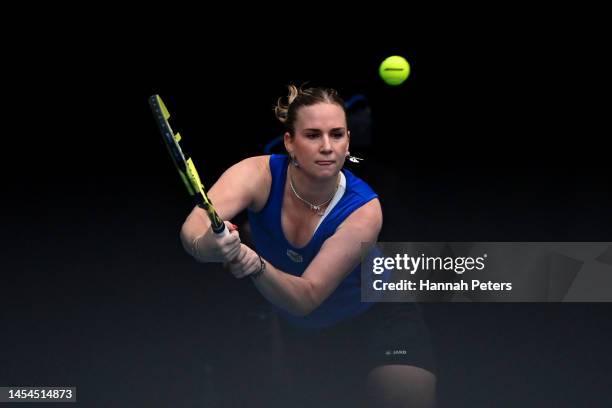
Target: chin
x,y
328,172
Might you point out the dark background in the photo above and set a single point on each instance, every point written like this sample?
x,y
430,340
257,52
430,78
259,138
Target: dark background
x,y
492,138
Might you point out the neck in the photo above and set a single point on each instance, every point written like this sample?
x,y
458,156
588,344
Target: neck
x,y
313,190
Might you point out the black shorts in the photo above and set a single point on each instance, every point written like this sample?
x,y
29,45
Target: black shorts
x,y
334,362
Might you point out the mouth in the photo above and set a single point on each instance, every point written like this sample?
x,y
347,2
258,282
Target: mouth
x,y
325,162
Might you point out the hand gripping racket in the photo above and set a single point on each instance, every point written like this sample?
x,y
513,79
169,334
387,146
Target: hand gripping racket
x,y
185,166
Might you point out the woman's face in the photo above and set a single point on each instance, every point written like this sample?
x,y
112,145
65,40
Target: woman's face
x,y
321,140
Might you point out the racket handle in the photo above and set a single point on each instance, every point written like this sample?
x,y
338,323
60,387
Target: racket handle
x,y
216,223
222,233
222,230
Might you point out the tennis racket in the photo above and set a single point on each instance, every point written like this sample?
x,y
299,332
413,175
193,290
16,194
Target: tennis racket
x,y
185,165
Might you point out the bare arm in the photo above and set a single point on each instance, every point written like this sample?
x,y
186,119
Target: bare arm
x,y
338,256
239,187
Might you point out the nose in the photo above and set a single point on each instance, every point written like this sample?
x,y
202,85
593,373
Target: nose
x,y
326,144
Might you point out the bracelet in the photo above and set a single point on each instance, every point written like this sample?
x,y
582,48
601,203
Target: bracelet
x,y
261,270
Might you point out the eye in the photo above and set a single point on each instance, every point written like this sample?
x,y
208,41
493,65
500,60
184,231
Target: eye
x,y
338,135
312,135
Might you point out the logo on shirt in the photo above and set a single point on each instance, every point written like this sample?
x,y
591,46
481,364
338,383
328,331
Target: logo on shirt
x,y
294,256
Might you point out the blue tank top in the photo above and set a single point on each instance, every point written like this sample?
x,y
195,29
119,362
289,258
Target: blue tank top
x,y
271,244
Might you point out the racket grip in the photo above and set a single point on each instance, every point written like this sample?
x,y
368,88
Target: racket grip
x,y
222,231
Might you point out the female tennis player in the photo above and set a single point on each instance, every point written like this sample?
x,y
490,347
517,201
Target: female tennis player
x,y
308,218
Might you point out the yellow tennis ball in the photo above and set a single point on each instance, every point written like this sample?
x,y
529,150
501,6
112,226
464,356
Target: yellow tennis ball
x,y
394,70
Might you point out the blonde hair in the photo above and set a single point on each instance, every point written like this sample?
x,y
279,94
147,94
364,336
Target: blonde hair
x,y
286,108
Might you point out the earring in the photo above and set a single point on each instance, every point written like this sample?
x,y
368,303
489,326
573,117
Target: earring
x,y
353,158
294,161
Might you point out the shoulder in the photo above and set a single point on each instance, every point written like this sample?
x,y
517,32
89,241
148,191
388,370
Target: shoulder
x,y
257,163
257,177
253,170
241,186
366,219
356,181
257,168
357,186
370,211
360,199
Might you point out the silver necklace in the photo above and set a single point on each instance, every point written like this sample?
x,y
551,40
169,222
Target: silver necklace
x,y
314,207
